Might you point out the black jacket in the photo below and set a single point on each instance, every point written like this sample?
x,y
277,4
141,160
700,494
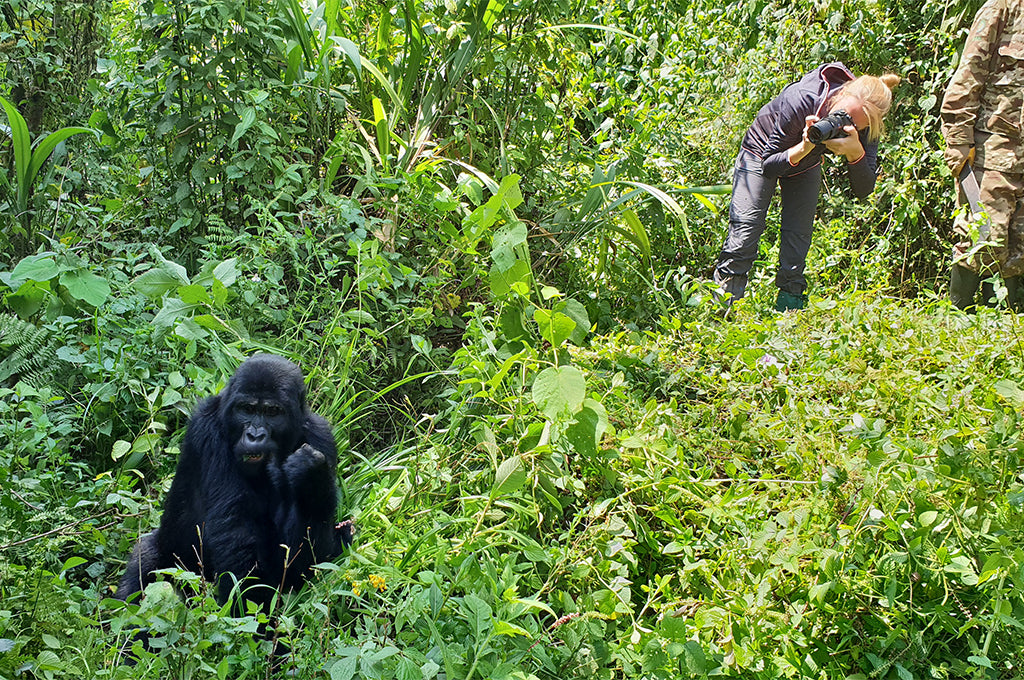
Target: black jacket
x,y
780,125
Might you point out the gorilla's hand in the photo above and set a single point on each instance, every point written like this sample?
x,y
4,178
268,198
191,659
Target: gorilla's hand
x,y
343,533
304,462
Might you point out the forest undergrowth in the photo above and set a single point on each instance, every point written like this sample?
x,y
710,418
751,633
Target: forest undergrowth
x,y
485,232
829,493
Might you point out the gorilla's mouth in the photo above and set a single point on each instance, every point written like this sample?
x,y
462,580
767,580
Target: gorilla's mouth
x,y
253,457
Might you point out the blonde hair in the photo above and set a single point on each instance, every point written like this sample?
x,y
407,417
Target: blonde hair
x,y
875,96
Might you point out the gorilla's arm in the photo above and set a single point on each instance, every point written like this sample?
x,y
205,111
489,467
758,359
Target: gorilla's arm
x,y
307,519
144,559
311,477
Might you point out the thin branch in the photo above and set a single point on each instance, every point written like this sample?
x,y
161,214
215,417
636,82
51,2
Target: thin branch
x,y
740,480
61,529
25,501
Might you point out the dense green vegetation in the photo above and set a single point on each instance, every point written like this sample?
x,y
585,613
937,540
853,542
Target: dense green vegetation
x,y
483,230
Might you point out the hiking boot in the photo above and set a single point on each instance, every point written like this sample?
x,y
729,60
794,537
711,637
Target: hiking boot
x,y
787,301
963,287
1014,294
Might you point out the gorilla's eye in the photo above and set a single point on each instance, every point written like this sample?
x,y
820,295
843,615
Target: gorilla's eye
x,y
273,410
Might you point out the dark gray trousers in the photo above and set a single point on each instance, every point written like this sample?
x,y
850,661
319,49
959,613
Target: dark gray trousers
x,y
751,195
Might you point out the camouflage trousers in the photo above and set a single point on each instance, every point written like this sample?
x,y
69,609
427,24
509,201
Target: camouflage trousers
x,y
1002,198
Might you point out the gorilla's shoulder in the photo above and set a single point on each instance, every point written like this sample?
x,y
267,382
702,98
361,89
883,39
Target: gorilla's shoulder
x,y
205,428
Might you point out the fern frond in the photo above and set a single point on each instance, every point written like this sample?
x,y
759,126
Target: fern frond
x,y
28,352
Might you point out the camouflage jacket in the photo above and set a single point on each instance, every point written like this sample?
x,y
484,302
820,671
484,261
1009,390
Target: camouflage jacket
x,y
984,103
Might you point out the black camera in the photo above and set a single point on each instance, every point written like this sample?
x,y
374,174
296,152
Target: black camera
x,y
829,127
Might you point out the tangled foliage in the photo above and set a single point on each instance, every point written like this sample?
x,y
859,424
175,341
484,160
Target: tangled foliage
x,y
482,229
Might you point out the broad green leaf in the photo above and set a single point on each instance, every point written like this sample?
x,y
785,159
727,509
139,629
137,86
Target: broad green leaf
x,y
408,670
503,280
633,221
145,443
591,423
1009,390
226,272
189,329
384,81
509,478
705,201
344,669
71,563
361,316
297,19
294,69
818,591
40,267
478,614
510,629
559,390
172,312
351,52
176,269
382,654
28,299
695,658
674,628
213,273
194,294
157,281
413,65
47,661
331,9
511,323
578,313
555,327
219,294
548,292
380,122
535,604
508,240
597,194
71,355
248,117
85,286
212,322
507,198
120,449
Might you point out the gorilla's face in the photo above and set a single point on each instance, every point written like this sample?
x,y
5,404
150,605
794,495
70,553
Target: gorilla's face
x,y
264,409
262,426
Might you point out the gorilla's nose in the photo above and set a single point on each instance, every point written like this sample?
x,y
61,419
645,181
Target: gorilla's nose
x,y
256,436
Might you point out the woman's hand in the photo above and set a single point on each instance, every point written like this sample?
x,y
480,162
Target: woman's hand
x,y
799,151
848,146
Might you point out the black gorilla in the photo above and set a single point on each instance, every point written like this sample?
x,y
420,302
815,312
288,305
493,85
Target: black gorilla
x,y
254,494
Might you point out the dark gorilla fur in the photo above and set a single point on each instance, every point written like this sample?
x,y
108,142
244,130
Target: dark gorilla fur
x,y
256,474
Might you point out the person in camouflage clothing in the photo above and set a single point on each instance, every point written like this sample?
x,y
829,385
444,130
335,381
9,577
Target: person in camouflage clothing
x,y
982,113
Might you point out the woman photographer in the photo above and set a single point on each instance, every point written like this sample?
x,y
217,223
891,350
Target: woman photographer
x,y
776,151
